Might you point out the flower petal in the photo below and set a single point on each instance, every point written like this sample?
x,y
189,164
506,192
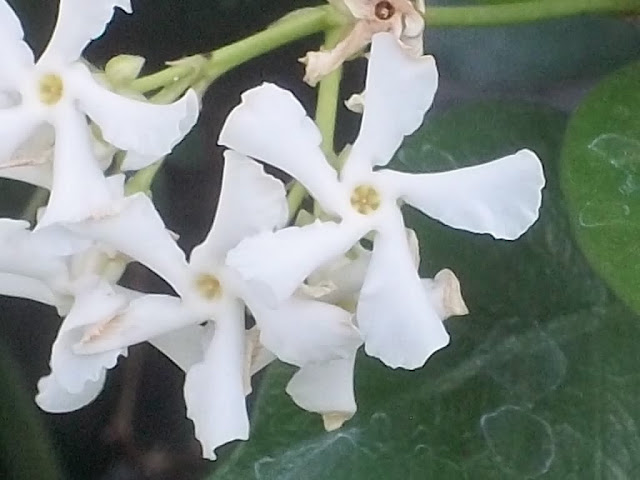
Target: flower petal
x,y
143,319
23,252
79,189
399,324
214,389
16,126
274,264
15,53
501,198
445,294
54,398
271,125
250,202
399,91
78,23
92,308
182,346
139,232
301,331
26,287
38,175
146,128
326,388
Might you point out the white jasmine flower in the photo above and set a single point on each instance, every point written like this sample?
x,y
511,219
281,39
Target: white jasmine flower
x,y
327,387
399,323
299,331
59,90
402,18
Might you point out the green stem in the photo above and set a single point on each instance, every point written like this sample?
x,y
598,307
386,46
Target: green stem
x,y
523,12
142,180
296,25
160,79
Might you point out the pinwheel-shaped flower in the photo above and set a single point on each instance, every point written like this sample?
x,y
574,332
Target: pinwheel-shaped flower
x,y
59,90
403,18
299,331
399,323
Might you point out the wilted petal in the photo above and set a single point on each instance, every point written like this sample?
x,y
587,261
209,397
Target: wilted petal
x,y
214,389
79,189
20,286
146,128
257,357
300,331
326,388
15,53
271,125
16,126
143,319
54,398
274,264
445,294
399,91
501,198
399,324
321,63
79,22
250,202
138,232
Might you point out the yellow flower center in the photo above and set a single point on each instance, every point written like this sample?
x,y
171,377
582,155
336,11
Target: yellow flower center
x,y
51,89
384,10
365,199
208,286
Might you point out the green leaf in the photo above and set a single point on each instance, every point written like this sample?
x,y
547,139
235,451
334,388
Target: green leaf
x,y
533,56
539,380
601,178
25,453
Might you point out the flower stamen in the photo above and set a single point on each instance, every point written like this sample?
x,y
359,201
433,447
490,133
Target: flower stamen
x,y
384,10
365,199
51,89
208,286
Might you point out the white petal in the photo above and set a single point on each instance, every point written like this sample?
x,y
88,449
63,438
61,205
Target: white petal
x,y
79,189
274,264
25,287
38,175
16,126
399,324
501,198
301,331
271,125
146,128
54,398
79,22
139,232
182,346
326,388
23,252
15,53
214,389
135,161
399,91
250,202
143,319
91,309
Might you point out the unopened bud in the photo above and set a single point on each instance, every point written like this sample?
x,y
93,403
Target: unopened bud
x,y
123,69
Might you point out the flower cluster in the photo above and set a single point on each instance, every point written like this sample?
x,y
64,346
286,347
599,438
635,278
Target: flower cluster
x,y
314,292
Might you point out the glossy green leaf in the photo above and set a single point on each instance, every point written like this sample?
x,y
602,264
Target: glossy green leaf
x,y
533,56
601,178
539,380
